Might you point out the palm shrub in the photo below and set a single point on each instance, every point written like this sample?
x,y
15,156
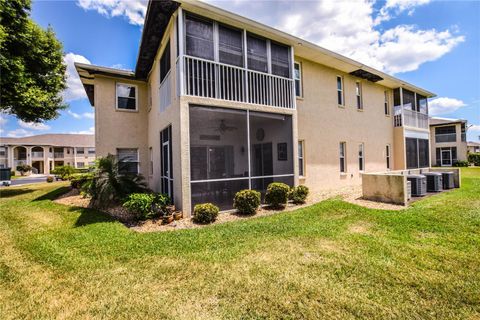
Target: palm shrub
x,y
77,180
109,186
299,194
277,194
64,172
141,205
205,213
246,201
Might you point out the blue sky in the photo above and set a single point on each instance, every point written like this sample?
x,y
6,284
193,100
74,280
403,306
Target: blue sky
x,y
433,44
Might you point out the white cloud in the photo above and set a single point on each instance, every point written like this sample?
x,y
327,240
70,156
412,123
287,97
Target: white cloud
x,y
75,88
17,133
474,127
3,119
395,7
90,130
351,29
133,10
444,105
33,125
86,115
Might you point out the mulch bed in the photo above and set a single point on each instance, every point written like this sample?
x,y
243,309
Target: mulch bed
x,y
349,194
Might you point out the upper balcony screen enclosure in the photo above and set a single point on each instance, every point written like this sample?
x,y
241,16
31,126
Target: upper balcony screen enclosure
x,y
227,63
222,161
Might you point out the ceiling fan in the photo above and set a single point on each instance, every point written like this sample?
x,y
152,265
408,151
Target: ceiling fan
x,y
223,127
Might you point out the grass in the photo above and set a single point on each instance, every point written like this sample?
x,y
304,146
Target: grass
x,y
332,260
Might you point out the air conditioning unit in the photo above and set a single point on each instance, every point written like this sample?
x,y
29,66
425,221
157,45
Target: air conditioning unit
x,y
418,185
409,190
447,178
434,181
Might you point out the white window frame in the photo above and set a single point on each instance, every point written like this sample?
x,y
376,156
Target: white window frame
x,y
116,96
361,157
386,103
301,169
343,157
358,95
388,156
138,158
80,166
341,90
299,79
83,150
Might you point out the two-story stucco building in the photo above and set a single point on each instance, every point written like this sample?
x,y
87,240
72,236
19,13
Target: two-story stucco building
x,y
44,152
448,141
219,103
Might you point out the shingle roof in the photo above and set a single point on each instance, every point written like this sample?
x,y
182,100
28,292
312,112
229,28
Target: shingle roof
x,y
52,139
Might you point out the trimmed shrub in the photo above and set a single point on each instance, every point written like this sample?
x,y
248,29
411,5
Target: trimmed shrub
x,y
299,194
49,179
462,163
247,201
474,158
205,213
64,172
277,194
12,173
141,205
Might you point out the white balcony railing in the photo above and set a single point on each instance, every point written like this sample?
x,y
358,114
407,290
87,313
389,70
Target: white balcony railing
x,y
166,92
445,137
407,117
211,79
58,154
37,154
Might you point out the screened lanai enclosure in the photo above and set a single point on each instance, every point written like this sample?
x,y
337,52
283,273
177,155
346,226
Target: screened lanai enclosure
x,y
233,149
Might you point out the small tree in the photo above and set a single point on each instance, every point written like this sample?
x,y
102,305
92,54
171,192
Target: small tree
x,y
24,168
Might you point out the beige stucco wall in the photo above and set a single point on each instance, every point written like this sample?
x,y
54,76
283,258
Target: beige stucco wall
x,y
322,124
461,145
119,128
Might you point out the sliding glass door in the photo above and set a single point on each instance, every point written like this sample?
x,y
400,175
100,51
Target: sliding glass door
x,y
166,178
231,150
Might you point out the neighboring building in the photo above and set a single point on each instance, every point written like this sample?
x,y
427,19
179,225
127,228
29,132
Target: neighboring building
x,y
473,147
448,141
224,103
46,151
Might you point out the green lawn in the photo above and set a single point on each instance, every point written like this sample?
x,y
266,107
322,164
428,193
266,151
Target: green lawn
x,y
332,260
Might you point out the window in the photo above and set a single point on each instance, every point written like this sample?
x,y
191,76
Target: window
x,y
68,150
91,150
343,165
409,99
3,151
165,62
387,155
417,153
297,74
387,108
340,91
230,46
446,156
166,163
301,161
151,160
126,97
80,150
257,53
358,94
280,58
80,164
361,157
445,134
199,37
421,103
127,160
